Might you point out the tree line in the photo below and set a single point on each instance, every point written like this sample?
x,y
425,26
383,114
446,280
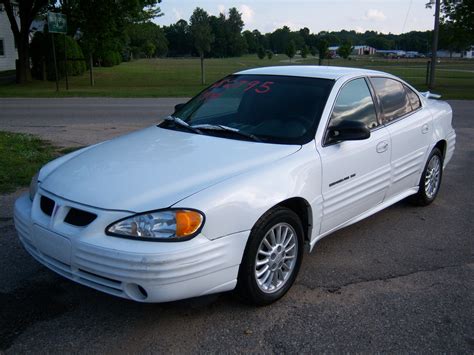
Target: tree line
x,y
226,38
110,31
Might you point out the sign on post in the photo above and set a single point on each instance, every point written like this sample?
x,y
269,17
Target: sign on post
x,y
57,23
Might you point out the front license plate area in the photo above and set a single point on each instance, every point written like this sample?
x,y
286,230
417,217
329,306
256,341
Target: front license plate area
x,y
52,244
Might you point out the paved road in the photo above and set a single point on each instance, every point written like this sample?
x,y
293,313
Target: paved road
x,y
81,121
401,280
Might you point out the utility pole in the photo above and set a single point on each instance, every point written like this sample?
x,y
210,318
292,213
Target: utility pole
x,y
434,46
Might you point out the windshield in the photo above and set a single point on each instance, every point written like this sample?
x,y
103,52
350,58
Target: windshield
x,y
274,109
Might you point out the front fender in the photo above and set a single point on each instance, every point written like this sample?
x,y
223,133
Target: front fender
x,y
56,163
236,204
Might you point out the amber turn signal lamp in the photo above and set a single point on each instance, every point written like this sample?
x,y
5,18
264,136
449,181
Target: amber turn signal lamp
x,y
187,222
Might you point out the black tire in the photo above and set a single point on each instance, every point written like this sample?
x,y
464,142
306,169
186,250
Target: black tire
x,y
247,286
421,198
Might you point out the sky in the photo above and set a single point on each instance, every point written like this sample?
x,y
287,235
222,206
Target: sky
x,y
395,16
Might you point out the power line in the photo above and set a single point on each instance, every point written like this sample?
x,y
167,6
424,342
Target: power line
x,y
406,17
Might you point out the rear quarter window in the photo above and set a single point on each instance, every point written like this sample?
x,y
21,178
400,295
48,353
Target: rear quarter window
x,y
413,97
393,98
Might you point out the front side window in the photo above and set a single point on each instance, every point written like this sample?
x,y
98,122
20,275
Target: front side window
x,y
276,109
354,103
393,98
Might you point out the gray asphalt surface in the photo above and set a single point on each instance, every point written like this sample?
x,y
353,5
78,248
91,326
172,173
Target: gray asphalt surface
x,y
82,121
401,280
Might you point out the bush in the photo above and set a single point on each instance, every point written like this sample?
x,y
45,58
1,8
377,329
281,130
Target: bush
x,y
42,54
109,58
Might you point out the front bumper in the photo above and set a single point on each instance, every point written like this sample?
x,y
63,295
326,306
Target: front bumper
x,y
136,270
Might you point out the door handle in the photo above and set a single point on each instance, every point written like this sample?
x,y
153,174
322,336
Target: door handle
x,y
382,147
425,128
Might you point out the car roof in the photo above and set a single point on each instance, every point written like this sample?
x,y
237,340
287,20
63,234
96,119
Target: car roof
x,y
312,71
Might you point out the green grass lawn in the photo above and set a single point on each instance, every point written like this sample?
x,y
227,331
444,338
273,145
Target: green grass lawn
x,y
21,155
181,77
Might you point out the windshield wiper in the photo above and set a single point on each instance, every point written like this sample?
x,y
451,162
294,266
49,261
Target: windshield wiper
x,y
219,127
181,123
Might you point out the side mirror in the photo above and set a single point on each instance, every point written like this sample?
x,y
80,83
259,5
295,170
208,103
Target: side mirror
x,y
178,107
347,131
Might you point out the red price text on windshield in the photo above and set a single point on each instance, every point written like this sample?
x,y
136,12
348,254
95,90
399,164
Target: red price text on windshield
x,y
255,85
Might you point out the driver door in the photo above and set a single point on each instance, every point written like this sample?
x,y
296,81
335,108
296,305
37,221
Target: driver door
x,y
356,174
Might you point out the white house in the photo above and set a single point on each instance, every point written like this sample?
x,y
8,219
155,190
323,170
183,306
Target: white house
x,y
8,52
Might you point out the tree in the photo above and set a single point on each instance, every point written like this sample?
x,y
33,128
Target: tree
x,y
323,47
28,10
345,49
457,18
179,39
452,38
291,49
269,54
379,42
202,35
460,13
261,52
280,39
220,31
146,39
304,51
236,44
252,43
103,24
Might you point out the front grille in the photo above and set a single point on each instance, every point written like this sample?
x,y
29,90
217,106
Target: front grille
x,y
79,218
47,205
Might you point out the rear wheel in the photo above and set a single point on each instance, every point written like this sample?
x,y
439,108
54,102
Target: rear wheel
x,y
430,180
272,257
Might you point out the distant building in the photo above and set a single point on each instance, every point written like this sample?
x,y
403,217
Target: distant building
x,y
469,53
363,50
413,54
333,51
392,53
8,51
356,50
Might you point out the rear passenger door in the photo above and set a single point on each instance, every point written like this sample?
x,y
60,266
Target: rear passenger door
x,y
409,126
356,174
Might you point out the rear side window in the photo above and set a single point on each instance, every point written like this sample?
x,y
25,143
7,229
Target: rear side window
x,y
354,103
393,98
414,99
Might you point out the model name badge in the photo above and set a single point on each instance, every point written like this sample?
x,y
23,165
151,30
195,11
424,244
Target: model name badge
x,y
341,180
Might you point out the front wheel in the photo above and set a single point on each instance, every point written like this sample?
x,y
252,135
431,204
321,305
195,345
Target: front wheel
x,y
430,180
272,257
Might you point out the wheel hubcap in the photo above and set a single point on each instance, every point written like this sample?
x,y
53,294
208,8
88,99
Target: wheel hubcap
x,y
432,177
276,258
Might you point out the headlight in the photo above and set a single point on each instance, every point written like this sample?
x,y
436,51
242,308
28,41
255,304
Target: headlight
x,y
165,225
34,186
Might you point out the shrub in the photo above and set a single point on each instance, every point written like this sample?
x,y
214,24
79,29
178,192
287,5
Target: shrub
x,y
42,54
109,58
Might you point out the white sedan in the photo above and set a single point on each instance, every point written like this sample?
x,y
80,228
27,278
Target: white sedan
x,y
228,191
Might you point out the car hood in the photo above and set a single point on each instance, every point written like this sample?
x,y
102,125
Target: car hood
x,y
154,168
